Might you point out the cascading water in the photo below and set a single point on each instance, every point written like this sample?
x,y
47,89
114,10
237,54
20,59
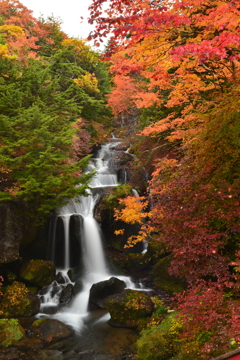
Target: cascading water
x,y
95,268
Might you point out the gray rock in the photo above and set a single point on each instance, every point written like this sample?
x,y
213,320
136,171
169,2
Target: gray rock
x,y
66,294
77,288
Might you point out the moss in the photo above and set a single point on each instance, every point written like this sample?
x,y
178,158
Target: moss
x,y
156,251
38,272
130,308
160,342
36,323
162,279
136,262
10,332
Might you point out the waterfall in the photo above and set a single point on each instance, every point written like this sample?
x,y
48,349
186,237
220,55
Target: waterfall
x,y
95,268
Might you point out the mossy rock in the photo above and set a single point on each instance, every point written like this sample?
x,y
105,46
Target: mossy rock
x,y
38,272
161,341
156,250
136,262
162,279
18,301
10,332
129,308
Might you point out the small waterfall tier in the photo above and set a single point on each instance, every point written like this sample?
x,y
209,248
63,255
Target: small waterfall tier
x,y
76,241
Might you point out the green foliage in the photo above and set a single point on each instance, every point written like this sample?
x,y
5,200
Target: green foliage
x,y
160,309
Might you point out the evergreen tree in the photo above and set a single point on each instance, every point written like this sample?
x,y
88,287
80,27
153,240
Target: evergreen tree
x,y
36,133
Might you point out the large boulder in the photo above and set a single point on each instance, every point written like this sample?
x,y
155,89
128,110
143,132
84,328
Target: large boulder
x,y
10,332
129,309
18,301
38,272
102,290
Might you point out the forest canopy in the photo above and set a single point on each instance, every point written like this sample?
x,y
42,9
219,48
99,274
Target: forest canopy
x,y
52,109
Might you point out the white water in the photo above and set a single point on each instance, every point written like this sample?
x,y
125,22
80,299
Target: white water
x,y
95,268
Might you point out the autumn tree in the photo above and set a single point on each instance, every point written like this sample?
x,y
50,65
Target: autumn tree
x,y
182,58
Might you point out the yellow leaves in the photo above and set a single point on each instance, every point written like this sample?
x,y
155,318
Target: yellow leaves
x,y
77,43
12,30
11,33
132,213
83,52
3,50
88,82
119,232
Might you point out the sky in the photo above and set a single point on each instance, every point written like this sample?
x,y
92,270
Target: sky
x,y
69,11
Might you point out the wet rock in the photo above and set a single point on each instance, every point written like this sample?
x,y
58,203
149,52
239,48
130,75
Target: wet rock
x,y
129,309
44,355
75,273
55,288
45,290
27,343
38,272
10,332
75,239
102,290
123,175
59,278
50,330
18,301
10,354
77,288
66,294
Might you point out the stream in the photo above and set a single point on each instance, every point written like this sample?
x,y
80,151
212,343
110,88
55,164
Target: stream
x,y
95,339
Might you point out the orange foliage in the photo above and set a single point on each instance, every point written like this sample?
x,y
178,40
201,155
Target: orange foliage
x,y
134,212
